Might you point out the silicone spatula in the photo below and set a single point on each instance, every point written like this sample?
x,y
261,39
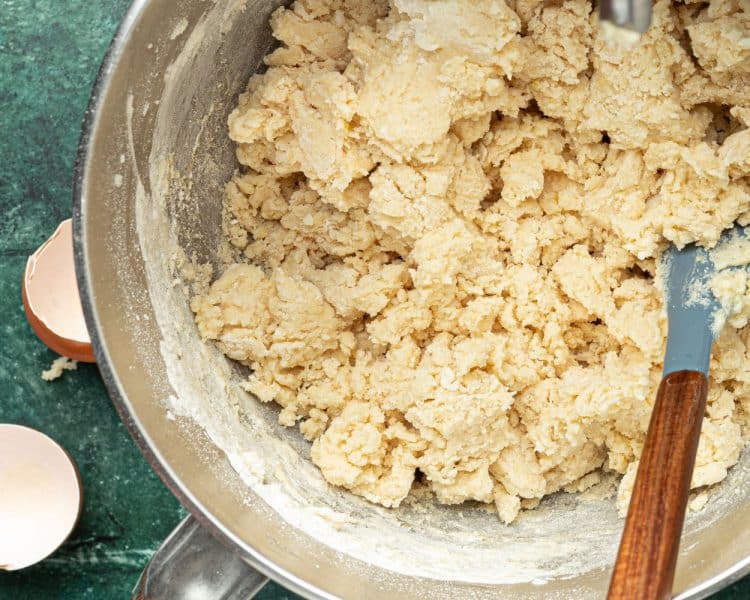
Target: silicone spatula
x,y
647,557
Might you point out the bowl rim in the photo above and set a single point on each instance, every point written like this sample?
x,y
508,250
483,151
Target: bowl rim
x,y
118,395
111,381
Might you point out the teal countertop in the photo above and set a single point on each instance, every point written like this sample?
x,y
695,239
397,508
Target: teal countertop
x,y
50,51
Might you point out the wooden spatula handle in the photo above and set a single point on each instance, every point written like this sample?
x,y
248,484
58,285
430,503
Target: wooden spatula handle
x,y
646,561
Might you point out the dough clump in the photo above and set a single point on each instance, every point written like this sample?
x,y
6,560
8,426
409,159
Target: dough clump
x,y
58,366
445,232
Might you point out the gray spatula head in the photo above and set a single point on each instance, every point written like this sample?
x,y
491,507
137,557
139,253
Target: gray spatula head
x,y
694,314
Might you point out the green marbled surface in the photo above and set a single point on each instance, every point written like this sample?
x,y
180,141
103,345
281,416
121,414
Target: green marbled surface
x,y
50,51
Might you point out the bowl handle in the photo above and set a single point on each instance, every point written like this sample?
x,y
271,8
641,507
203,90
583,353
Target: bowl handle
x,y
191,563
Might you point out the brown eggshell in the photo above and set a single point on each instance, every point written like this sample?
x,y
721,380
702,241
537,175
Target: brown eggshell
x,y
40,496
51,299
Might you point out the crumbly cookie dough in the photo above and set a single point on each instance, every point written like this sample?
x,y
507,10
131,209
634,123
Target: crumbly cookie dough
x,y
58,366
444,238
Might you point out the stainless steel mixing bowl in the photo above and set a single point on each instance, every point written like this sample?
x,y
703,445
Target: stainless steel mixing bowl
x,y
153,159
